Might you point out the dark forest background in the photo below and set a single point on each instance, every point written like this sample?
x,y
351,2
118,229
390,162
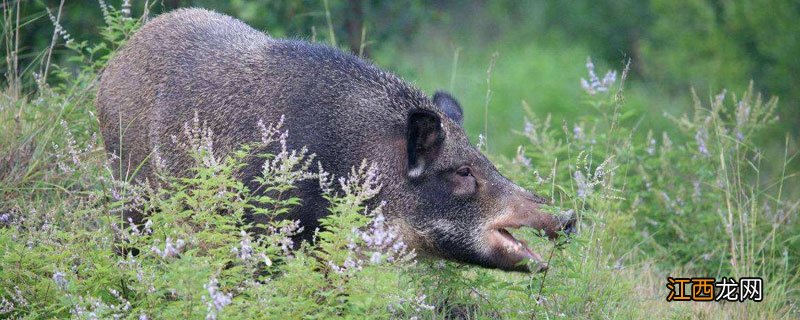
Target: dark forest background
x,y
708,45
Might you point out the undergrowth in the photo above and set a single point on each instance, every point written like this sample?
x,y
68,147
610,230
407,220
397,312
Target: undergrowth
x,y
650,205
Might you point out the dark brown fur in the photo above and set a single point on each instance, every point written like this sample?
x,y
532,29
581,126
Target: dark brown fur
x,y
342,108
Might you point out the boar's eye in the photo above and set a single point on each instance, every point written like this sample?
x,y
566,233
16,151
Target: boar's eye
x,y
464,171
464,183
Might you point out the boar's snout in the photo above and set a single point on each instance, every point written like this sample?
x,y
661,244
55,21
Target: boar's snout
x,y
568,222
510,253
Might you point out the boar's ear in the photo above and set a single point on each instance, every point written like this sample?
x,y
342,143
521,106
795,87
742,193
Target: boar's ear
x,y
424,140
449,106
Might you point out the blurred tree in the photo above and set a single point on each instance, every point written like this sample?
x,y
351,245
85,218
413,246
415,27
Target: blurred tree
x,y
715,44
688,44
380,21
768,31
708,44
613,29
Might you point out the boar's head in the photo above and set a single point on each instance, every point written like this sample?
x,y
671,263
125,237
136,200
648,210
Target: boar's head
x,y
459,206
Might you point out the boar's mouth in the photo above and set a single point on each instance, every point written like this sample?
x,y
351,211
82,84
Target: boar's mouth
x,y
509,253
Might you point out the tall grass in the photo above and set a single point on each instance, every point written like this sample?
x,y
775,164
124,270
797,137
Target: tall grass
x,y
691,201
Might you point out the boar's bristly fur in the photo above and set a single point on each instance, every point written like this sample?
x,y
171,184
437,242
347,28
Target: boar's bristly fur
x,y
445,196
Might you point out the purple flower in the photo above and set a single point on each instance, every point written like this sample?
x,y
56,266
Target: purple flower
x,y
60,280
595,84
216,300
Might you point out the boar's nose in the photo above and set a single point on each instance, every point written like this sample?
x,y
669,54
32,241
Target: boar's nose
x,y
568,222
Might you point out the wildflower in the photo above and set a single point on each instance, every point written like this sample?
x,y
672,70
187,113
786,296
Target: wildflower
x,y
126,9
700,137
58,28
325,179
381,243
609,78
104,9
199,141
666,197
375,258
399,246
170,250
287,231
266,259
416,303
6,306
380,237
595,85
287,167
521,158
586,180
651,147
216,300
481,142
18,297
158,162
577,132
529,128
245,251
335,268
60,280
583,187
268,133
666,142
586,87
720,98
420,304
362,183
739,135
71,149
349,263
120,298
5,219
742,115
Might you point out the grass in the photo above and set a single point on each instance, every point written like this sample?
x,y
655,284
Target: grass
x,y
657,196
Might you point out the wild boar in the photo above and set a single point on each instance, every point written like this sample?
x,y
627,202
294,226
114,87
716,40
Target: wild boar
x,y
446,197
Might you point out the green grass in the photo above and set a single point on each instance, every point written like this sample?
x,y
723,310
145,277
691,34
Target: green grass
x,y
701,200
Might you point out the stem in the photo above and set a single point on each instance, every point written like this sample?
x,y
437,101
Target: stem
x,y
544,276
486,101
330,24
52,42
453,70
